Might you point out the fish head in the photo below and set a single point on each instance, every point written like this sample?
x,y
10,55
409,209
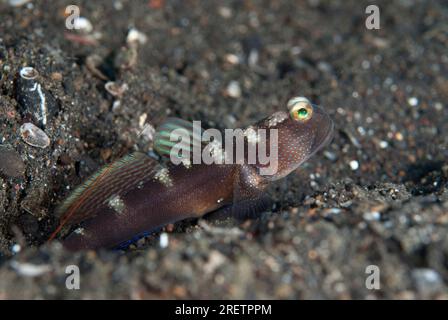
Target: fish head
x,y
299,133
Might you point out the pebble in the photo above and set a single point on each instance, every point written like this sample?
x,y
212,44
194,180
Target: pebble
x,y
16,248
116,105
233,89
383,144
427,281
118,5
164,240
352,139
332,211
11,164
346,204
413,101
354,165
215,260
18,3
56,76
232,58
438,106
30,270
34,136
365,64
135,36
399,136
142,119
147,133
330,155
252,45
225,12
372,216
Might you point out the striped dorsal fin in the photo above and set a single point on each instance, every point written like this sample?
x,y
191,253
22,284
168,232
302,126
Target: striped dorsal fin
x,y
166,138
116,178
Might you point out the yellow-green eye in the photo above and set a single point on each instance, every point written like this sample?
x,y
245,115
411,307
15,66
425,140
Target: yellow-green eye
x,y
301,112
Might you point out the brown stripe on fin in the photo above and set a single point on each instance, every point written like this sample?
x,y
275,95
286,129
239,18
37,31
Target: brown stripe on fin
x,y
117,178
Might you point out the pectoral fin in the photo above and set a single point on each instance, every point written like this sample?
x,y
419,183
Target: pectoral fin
x,y
243,210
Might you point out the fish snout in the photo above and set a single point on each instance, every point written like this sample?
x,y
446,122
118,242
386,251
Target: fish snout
x,y
324,128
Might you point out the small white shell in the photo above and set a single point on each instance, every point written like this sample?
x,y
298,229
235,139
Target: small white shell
x,y
28,73
135,36
233,89
30,270
114,89
34,136
82,24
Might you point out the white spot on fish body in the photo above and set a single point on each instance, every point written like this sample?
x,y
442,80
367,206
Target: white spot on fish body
x,y
79,231
116,203
276,118
187,163
163,176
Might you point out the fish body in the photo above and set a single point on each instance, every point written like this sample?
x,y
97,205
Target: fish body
x,y
188,193
138,194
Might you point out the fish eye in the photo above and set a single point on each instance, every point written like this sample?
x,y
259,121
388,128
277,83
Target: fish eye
x,y
300,109
301,112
